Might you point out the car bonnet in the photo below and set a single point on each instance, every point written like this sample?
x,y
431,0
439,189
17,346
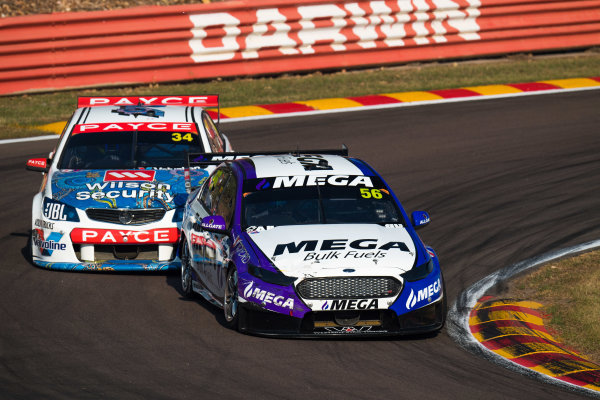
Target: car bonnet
x,y
332,250
123,188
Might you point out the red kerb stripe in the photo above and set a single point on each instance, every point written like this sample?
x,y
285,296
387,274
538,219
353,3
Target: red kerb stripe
x,y
506,307
286,107
454,93
583,378
374,100
533,86
536,359
506,323
506,341
214,115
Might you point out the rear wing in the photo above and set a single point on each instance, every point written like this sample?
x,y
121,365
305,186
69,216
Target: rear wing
x,y
208,101
206,159
198,101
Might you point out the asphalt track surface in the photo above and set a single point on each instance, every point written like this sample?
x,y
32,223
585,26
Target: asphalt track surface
x,y
504,180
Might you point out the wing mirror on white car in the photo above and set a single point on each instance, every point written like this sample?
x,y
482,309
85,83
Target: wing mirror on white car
x,y
38,164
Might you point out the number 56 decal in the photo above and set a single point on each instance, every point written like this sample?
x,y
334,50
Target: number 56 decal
x,y
368,193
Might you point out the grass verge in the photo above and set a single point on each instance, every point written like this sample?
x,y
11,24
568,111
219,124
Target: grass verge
x,y
569,290
20,114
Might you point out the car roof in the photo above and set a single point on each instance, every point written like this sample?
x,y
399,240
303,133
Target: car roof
x,y
302,164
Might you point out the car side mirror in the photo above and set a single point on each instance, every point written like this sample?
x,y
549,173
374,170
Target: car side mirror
x,y
420,219
214,223
38,164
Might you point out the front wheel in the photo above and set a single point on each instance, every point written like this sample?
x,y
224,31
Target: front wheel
x,y
230,299
186,270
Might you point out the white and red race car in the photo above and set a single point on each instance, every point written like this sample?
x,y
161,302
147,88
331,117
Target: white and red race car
x,y
115,186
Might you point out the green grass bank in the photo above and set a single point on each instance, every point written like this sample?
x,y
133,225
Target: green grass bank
x,y
20,114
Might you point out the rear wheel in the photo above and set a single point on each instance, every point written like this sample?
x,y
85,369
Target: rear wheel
x,y
186,270
230,299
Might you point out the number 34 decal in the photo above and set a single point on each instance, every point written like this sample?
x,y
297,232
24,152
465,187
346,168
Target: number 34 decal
x,y
177,137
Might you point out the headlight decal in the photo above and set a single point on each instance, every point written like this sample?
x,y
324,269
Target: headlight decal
x,y
275,278
419,272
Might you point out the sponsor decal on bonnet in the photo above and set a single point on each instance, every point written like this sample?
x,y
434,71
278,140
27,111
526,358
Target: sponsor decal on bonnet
x,y
116,189
340,249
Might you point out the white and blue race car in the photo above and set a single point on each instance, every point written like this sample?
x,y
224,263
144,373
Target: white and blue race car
x,y
114,187
307,244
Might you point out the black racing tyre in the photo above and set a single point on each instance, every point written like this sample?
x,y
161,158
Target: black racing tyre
x,y
186,270
231,300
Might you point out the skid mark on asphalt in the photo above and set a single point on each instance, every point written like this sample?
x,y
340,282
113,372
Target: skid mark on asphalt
x,y
515,330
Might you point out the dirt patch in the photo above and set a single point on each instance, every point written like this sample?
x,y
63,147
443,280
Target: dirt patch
x,y
14,8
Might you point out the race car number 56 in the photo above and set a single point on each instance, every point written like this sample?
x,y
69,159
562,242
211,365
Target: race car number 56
x,y
368,193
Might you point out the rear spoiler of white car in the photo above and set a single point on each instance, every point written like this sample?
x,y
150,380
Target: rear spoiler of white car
x,y
207,101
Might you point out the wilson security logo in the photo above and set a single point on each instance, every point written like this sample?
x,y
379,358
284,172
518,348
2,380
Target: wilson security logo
x,y
425,294
113,189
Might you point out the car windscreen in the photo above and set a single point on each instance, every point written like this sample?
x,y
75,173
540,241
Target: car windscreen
x,y
331,200
126,150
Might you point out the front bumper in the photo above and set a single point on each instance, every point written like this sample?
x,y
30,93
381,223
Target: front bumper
x,y
365,323
116,266
63,247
